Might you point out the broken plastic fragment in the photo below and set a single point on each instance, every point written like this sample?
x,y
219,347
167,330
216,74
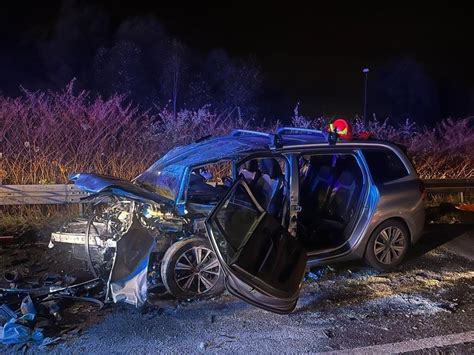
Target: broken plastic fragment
x,y
15,331
6,313
27,306
12,333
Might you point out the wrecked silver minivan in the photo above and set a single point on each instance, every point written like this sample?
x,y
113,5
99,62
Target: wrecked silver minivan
x,y
251,210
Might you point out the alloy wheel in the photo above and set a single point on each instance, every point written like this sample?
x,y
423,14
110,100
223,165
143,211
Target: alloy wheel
x,y
197,270
389,245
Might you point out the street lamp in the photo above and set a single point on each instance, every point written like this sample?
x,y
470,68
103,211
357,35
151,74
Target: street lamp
x,y
366,72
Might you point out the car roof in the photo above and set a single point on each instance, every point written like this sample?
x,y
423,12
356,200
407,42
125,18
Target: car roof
x,y
240,142
174,165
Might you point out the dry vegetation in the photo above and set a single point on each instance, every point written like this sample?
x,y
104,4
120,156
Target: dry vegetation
x,y
46,136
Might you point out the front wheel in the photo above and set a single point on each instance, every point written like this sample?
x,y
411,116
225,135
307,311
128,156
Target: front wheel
x,y
387,246
190,269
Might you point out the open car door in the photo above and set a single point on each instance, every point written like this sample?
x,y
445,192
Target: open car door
x,y
262,263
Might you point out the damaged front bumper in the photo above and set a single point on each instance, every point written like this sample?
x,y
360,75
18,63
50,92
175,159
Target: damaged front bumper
x,y
126,281
118,240
76,235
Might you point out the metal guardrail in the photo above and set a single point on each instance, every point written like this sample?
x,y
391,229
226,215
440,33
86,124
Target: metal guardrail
x,y
64,194
449,186
40,194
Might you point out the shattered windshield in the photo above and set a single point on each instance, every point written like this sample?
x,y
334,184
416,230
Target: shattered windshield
x,y
164,177
164,182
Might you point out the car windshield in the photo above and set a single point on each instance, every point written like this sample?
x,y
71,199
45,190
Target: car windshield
x,y
164,182
164,177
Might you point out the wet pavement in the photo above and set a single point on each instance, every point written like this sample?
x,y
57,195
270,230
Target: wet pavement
x,y
425,307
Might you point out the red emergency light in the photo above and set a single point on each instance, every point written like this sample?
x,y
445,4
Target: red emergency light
x,y
341,128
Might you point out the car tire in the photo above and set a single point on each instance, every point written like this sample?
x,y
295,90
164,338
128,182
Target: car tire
x,y
388,245
185,276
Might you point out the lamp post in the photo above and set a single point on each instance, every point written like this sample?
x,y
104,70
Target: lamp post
x,y
366,72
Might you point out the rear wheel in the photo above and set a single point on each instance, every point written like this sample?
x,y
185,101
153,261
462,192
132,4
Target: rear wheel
x,y
190,269
387,245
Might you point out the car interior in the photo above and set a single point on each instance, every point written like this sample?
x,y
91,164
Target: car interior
x,y
266,179
330,191
206,185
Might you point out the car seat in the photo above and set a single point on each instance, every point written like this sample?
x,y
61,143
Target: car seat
x,y
315,188
342,202
334,194
270,186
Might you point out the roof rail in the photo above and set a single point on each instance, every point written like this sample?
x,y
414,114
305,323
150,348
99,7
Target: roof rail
x,y
295,130
245,132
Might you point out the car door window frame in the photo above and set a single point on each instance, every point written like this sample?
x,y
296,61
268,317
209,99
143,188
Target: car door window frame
x,y
258,284
254,201
367,183
288,172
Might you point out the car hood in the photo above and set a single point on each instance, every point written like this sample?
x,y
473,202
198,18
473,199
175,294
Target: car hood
x,y
99,184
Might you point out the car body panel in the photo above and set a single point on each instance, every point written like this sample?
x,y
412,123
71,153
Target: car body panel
x,y
97,184
401,200
128,277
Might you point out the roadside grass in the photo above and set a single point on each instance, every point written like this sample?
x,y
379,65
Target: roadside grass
x,y
34,222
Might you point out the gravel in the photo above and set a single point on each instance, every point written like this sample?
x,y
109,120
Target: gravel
x,y
343,307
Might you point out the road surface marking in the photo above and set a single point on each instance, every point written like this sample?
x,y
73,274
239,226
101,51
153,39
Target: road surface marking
x,y
412,345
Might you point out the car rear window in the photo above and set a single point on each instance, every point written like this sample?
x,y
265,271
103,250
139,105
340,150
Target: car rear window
x,y
384,165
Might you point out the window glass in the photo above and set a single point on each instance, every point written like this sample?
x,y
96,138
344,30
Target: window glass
x,y
384,165
208,184
235,220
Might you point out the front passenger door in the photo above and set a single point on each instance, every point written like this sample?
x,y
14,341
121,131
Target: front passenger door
x,y
263,264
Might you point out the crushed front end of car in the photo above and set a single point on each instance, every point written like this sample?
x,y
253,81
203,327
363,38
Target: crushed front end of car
x,y
142,231
128,228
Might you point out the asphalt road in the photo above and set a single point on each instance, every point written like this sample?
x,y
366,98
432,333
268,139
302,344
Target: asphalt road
x,y
425,307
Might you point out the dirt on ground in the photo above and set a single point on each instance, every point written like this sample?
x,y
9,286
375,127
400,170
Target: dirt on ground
x,y
342,307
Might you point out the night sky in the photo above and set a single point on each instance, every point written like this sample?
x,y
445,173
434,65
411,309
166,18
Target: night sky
x,y
308,52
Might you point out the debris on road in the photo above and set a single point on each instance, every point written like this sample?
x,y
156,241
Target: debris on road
x,y
20,329
16,274
39,302
36,309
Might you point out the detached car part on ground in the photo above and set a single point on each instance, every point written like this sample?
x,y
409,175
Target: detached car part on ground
x,y
294,199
